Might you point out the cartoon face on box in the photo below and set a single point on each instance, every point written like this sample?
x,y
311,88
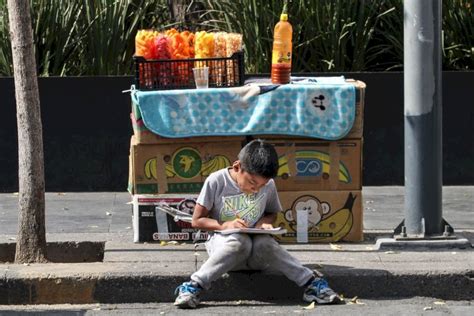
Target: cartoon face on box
x,y
316,210
328,220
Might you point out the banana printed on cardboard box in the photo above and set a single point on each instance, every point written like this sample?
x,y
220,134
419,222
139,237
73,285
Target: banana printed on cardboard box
x,y
320,216
177,167
151,224
307,164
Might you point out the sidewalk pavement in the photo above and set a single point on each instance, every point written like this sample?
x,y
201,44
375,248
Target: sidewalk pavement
x,y
149,272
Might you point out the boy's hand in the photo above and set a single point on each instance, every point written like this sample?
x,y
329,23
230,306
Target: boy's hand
x,y
266,226
236,223
266,221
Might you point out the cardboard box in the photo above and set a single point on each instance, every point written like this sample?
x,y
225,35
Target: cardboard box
x,y
307,164
324,216
177,167
150,224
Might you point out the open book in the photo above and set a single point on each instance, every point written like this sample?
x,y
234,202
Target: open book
x,y
273,231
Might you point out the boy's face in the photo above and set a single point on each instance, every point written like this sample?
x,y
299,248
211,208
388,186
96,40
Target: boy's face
x,y
247,182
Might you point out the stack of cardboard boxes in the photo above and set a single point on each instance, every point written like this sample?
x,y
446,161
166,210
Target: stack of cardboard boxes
x,y
171,171
319,182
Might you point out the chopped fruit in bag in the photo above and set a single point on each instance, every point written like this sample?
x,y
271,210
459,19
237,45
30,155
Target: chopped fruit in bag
x,y
233,45
189,37
220,44
171,32
161,48
181,71
145,47
144,43
217,69
162,71
179,46
203,47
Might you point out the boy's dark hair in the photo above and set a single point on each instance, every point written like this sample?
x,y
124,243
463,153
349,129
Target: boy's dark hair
x,y
259,158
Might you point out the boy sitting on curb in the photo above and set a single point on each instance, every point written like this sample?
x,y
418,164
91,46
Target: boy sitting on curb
x,y
244,195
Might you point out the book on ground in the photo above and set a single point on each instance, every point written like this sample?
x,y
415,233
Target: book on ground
x,y
273,231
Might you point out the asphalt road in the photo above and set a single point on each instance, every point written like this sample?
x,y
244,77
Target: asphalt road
x,y
413,306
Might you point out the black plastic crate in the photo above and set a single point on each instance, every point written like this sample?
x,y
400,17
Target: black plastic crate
x,y
164,74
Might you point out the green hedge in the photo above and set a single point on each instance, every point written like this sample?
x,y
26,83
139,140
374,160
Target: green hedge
x,y
96,37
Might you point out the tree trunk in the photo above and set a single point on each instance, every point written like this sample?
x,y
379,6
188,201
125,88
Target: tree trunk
x,y
185,13
31,241
178,10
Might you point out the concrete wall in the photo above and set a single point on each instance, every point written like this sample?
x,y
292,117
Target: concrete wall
x,y
86,128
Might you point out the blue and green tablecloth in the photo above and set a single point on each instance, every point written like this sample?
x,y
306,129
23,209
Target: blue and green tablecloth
x,y
309,107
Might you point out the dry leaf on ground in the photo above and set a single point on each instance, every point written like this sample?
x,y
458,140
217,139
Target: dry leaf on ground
x,y
356,300
310,306
335,247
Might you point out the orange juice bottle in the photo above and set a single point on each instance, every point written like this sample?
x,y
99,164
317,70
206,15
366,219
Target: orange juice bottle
x,y
281,55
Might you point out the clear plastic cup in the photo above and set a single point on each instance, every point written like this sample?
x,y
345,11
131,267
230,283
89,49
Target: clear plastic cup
x,y
201,77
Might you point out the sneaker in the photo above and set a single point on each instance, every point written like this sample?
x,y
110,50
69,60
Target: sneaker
x,y
188,296
319,291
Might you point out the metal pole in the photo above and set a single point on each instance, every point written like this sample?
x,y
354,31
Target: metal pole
x,y
423,117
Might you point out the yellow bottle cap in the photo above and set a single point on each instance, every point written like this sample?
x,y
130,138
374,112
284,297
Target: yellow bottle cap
x,y
284,17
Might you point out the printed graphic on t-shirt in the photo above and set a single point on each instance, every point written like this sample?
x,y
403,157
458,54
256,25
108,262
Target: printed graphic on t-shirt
x,y
248,207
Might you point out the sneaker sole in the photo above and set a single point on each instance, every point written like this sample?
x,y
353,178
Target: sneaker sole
x,y
185,305
333,299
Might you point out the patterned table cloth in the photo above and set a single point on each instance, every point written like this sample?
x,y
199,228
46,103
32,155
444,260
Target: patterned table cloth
x,y
311,107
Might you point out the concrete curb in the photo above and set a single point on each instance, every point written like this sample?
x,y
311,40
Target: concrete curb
x,y
144,282
143,273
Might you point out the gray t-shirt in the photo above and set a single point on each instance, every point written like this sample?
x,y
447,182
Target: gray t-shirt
x,y
223,198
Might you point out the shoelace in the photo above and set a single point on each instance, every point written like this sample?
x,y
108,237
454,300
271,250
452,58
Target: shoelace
x,y
186,287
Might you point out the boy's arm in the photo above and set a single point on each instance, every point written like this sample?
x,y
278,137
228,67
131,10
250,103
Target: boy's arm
x,y
201,221
266,222
273,205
